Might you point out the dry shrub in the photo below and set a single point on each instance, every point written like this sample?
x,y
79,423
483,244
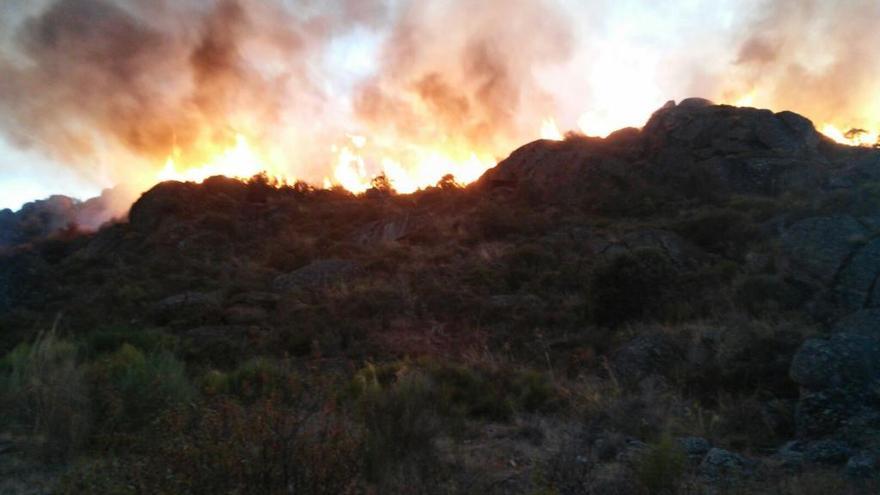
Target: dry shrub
x,y
265,447
44,394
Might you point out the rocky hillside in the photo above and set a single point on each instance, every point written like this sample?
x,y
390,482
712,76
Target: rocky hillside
x,y
691,307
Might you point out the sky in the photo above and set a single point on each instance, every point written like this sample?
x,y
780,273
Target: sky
x,y
98,93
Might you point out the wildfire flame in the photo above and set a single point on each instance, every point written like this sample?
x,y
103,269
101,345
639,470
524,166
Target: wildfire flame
x,y
407,170
550,131
410,168
852,137
240,161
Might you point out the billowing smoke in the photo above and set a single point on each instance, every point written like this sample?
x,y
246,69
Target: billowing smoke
x,y
111,88
464,70
816,57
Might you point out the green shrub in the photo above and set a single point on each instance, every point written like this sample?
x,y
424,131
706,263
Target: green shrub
x,y
661,468
401,421
260,378
133,388
634,285
226,447
44,395
110,339
464,391
721,231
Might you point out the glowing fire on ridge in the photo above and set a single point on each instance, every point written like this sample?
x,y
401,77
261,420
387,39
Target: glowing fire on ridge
x,y
410,168
240,161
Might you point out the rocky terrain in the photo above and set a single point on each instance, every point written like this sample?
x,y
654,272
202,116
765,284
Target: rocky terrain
x,y
692,307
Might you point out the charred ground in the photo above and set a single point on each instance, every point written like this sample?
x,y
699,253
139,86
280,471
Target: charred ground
x,y
690,306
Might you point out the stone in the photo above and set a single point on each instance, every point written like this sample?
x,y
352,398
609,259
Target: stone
x,y
187,306
384,231
865,323
694,446
315,275
863,465
858,278
720,464
820,245
652,353
844,360
839,379
827,452
791,455
244,314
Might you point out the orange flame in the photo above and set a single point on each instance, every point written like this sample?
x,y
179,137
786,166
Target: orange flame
x,y
240,161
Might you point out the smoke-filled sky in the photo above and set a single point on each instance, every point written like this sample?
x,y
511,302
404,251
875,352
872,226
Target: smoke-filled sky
x,y
97,93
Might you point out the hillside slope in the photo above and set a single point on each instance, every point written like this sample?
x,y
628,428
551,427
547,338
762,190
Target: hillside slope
x,y
694,304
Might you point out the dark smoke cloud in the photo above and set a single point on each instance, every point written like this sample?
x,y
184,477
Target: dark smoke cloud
x,y
112,87
146,76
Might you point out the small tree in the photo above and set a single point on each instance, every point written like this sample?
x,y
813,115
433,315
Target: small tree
x,y
382,184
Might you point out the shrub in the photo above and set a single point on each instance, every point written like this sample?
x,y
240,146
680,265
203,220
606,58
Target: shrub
x,y
401,421
761,294
133,388
721,231
661,469
630,286
43,391
110,339
261,378
227,447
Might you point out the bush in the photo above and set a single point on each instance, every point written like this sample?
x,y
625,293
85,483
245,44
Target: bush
x,y
110,339
227,447
133,388
634,285
401,421
720,231
44,394
760,294
661,469
260,378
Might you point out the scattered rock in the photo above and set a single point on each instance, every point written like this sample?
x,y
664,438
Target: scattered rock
x,y
695,447
245,314
827,452
862,465
651,353
317,274
189,307
722,464
791,455
384,231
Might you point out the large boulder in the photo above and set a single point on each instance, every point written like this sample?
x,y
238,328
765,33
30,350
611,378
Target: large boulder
x,y
856,285
865,323
733,150
165,200
820,246
839,379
